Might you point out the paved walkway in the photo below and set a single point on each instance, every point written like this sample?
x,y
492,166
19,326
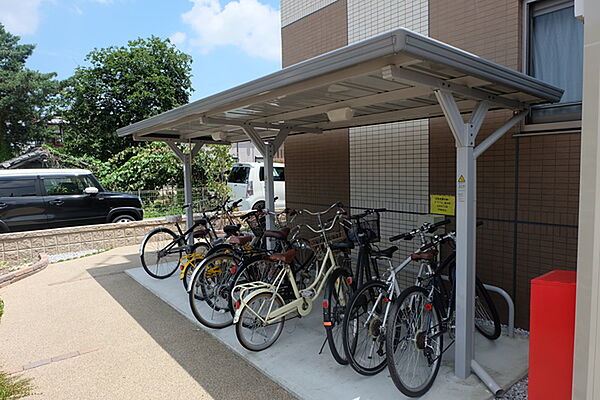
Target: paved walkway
x,y
83,329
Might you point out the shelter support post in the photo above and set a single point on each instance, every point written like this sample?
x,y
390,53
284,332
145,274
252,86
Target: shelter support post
x,y
186,159
268,150
466,208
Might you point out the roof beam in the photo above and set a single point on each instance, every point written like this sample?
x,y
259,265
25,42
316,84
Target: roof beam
x,y
256,140
409,77
234,122
396,116
378,98
167,125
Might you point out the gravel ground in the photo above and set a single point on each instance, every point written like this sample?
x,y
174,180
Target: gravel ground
x,y
73,254
518,391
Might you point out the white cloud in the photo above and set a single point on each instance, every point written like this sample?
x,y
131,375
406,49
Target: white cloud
x,y
248,24
178,38
20,17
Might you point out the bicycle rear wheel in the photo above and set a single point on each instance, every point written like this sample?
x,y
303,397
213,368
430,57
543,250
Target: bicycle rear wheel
x,y
364,333
414,342
209,297
160,252
487,320
257,269
335,300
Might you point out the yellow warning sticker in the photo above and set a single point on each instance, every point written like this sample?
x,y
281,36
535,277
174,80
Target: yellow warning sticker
x,y
461,179
442,204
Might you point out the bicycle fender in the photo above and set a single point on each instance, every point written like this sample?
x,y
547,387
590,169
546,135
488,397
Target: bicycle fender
x,y
218,248
199,268
246,299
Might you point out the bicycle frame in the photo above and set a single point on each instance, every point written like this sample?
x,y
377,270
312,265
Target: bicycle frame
x,y
302,305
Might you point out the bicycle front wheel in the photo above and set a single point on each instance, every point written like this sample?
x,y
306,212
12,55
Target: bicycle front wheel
x,y
414,342
487,320
160,252
364,332
337,294
251,330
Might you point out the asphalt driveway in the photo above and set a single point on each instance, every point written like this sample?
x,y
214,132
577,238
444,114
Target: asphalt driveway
x,y
83,329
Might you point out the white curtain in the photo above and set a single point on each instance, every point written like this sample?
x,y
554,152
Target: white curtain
x,y
557,52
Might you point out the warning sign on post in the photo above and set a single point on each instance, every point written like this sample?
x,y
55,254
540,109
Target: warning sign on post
x,y
442,204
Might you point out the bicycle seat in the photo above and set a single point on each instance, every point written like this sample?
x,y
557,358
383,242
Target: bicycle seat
x,y
281,234
240,240
286,257
231,229
347,245
201,221
426,255
200,233
387,253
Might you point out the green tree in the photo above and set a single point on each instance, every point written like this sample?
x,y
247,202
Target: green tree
x,y
155,166
27,98
120,86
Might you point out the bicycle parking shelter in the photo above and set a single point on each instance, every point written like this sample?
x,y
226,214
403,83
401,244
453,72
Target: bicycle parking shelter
x,y
396,76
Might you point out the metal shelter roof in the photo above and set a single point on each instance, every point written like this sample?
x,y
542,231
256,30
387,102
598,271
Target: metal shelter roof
x,y
388,78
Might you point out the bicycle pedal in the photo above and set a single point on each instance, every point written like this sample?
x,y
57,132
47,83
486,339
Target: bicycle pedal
x,y
307,294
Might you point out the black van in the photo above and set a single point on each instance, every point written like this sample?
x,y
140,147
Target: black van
x,y
52,198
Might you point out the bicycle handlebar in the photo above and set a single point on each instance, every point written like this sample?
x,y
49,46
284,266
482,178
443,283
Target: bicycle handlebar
x,y
319,213
368,212
425,228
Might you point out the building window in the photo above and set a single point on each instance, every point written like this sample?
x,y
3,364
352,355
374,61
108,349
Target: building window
x,y
555,56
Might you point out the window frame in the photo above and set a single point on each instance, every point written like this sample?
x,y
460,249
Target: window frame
x,y
527,16
36,186
261,174
71,177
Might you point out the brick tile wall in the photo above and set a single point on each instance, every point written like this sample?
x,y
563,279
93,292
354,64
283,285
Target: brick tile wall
x,y
547,166
488,28
317,172
317,33
317,167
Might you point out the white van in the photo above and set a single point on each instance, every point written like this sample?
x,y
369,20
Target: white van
x,y
246,181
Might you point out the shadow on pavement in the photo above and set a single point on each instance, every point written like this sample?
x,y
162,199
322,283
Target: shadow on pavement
x,y
223,374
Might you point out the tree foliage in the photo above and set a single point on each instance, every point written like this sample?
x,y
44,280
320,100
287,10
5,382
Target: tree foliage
x,y
120,86
27,98
154,166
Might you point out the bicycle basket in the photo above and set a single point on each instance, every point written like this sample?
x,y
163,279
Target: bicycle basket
x,y
366,229
257,223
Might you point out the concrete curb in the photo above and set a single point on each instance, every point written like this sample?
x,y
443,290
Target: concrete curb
x,y
17,275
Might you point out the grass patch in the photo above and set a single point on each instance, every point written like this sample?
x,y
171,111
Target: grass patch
x,y
83,256
14,387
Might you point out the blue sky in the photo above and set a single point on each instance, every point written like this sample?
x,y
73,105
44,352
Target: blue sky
x,y
231,42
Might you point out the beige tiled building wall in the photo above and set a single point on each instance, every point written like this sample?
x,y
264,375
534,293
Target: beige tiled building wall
x,y
368,18
389,163
293,10
317,167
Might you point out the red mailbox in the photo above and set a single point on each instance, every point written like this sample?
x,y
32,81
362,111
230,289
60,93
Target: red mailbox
x,y
552,331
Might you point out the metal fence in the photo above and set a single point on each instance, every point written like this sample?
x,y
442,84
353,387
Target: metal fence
x,y
158,203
